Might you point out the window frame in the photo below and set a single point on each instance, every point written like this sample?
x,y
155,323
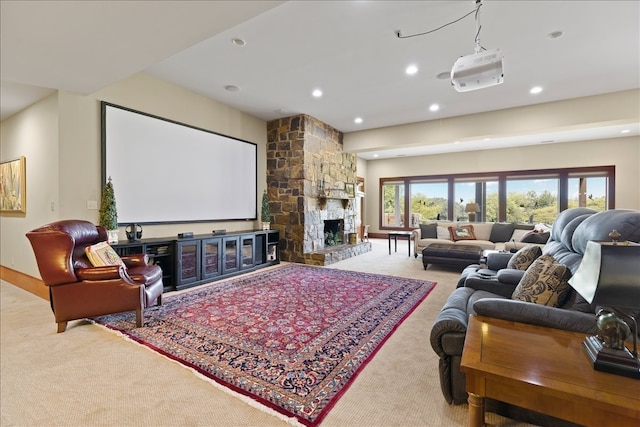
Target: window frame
x,y
561,174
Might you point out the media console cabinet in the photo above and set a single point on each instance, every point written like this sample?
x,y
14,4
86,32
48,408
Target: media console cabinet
x,y
192,261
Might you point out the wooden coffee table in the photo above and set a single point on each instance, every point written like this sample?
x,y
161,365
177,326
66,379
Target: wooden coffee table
x,y
545,370
402,235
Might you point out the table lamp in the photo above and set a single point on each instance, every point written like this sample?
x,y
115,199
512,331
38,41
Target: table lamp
x,y
471,209
609,276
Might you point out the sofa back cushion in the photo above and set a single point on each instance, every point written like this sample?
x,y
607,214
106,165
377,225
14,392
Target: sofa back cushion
x,y
482,230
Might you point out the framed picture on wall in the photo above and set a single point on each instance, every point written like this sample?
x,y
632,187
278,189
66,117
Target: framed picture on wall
x,y
13,186
350,189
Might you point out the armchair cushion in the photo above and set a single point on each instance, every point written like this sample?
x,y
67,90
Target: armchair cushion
x,y
102,254
545,282
522,259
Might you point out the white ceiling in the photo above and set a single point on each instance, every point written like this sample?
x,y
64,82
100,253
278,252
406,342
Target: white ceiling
x,y
349,49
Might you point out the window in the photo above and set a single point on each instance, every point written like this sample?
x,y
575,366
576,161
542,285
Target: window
x,y
429,201
532,200
515,196
393,202
588,192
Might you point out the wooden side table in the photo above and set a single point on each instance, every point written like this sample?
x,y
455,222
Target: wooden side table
x,y
402,235
545,370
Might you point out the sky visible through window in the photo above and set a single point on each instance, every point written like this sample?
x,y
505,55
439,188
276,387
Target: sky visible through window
x,y
466,190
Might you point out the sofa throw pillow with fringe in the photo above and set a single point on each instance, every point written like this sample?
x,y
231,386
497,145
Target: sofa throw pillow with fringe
x,y
522,259
545,282
462,232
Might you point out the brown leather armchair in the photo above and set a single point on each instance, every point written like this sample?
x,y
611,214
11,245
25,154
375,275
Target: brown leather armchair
x,y
78,290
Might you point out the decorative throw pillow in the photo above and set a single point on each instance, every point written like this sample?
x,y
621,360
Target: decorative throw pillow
x,y
102,254
518,234
428,231
522,259
501,232
536,237
545,282
461,232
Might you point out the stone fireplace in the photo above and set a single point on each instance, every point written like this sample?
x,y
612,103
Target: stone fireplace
x,y
307,173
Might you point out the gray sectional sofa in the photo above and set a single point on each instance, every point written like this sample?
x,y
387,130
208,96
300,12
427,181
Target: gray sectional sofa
x,y
487,291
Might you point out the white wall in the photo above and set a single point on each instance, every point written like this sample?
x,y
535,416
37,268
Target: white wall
x,y
60,138
624,153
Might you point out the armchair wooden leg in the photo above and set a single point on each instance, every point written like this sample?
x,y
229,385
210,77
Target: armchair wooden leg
x,y
139,317
62,326
159,300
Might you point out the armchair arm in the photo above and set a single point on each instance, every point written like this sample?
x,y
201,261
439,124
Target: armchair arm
x,y
135,260
536,314
108,272
416,234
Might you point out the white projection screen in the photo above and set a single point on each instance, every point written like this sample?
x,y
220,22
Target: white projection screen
x,y
168,172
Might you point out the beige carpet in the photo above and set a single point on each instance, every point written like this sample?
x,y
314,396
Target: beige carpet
x,y
89,376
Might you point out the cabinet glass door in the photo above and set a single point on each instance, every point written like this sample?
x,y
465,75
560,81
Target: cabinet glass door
x,y
211,258
230,262
188,259
247,251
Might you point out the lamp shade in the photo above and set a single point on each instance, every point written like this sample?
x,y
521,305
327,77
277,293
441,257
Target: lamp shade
x,y
471,207
609,274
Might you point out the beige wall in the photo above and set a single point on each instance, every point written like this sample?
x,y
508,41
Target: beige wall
x,y
624,153
60,138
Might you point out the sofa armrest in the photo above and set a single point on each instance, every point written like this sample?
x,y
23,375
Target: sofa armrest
x,y
453,318
510,276
498,260
536,314
489,284
416,234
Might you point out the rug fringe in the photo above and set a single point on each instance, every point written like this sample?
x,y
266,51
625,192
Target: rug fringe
x,y
251,402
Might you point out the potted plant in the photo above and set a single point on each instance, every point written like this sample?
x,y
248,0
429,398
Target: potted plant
x,y
108,213
266,212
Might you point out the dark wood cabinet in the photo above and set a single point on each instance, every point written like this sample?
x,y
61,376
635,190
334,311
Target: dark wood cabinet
x,y
192,261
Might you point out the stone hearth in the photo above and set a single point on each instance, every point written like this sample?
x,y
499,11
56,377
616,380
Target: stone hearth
x,y
307,173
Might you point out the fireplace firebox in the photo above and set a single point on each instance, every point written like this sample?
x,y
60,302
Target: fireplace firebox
x,y
333,232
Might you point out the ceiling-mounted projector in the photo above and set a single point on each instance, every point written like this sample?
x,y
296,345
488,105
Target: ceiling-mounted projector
x,y
477,71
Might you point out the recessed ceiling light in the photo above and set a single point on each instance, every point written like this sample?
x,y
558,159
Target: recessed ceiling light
x,y
358,120
375,155
444,75
487,139
317,93
411,70
555,34
456,142
625,131
231,88
238,42
434,107
535,90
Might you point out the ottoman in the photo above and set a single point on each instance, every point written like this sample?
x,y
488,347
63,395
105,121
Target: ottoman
x,y
451,255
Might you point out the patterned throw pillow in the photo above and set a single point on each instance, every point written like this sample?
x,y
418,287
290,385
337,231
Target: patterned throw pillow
x,y
102,254
461,232
545,282
522,259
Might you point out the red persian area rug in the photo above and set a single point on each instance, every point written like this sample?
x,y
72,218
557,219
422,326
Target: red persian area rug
x,y
292,338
